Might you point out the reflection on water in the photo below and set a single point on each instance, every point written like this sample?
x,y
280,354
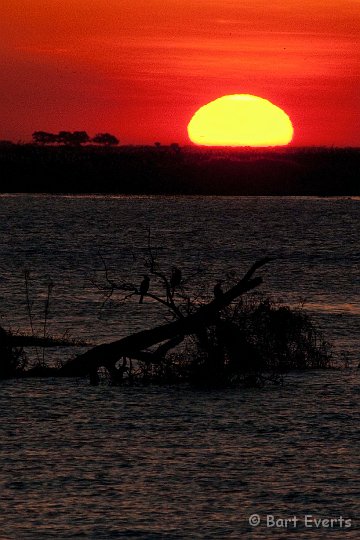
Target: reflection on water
x,y
169,463
353,309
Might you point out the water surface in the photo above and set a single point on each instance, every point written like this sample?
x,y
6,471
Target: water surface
x,y
315,243
151,463
84,462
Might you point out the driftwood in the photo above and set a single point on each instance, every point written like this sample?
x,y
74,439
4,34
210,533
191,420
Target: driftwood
x,y
11,340
133,346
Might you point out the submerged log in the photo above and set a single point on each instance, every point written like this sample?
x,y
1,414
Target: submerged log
x,y
7,339
107,354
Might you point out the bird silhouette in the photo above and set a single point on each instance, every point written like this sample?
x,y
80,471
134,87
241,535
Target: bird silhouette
x,y
218,292
144,287
175,279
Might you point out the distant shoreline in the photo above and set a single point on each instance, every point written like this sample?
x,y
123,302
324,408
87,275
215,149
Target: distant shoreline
x,y
175,170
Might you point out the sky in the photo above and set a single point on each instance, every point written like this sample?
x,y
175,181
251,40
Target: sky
x,y
141,68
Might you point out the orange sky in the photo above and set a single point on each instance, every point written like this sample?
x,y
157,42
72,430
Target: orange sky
x,y
141,68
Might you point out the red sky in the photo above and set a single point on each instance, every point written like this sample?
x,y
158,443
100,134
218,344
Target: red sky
x,y
141,68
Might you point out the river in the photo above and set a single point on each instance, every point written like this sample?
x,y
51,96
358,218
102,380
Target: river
x,y
84,462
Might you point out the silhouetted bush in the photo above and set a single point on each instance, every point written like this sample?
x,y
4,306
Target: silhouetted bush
x,y
259,340
255,342
12,359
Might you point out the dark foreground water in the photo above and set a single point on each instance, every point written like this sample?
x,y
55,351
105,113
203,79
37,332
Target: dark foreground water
x,y
82,462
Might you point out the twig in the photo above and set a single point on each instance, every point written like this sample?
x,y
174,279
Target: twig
x,y
46,313
29,308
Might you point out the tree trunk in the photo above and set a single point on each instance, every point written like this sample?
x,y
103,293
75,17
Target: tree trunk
x,y
108,354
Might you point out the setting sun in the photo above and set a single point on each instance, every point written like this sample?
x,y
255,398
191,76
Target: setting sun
x,y
240,120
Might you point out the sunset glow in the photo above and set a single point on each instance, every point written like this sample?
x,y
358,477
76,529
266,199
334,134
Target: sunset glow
x,y
240,120
140,70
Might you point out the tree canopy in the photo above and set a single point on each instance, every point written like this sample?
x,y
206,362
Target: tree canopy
x,y
73,138
105,138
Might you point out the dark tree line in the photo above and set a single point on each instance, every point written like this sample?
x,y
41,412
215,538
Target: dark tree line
x,y
92,168
74,138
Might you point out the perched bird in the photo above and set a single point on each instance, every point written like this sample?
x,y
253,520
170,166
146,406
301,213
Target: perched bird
x,y
144,287
175,279
218,292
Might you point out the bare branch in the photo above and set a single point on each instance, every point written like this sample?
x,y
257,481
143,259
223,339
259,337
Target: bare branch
x,y
108,353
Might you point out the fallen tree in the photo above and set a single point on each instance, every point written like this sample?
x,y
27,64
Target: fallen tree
x,y
108,354
229,339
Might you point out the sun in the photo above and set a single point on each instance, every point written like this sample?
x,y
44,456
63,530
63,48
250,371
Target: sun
x,y
240,120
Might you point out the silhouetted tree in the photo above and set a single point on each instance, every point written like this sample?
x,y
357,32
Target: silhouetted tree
x,y
43,137
105,138
73,138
